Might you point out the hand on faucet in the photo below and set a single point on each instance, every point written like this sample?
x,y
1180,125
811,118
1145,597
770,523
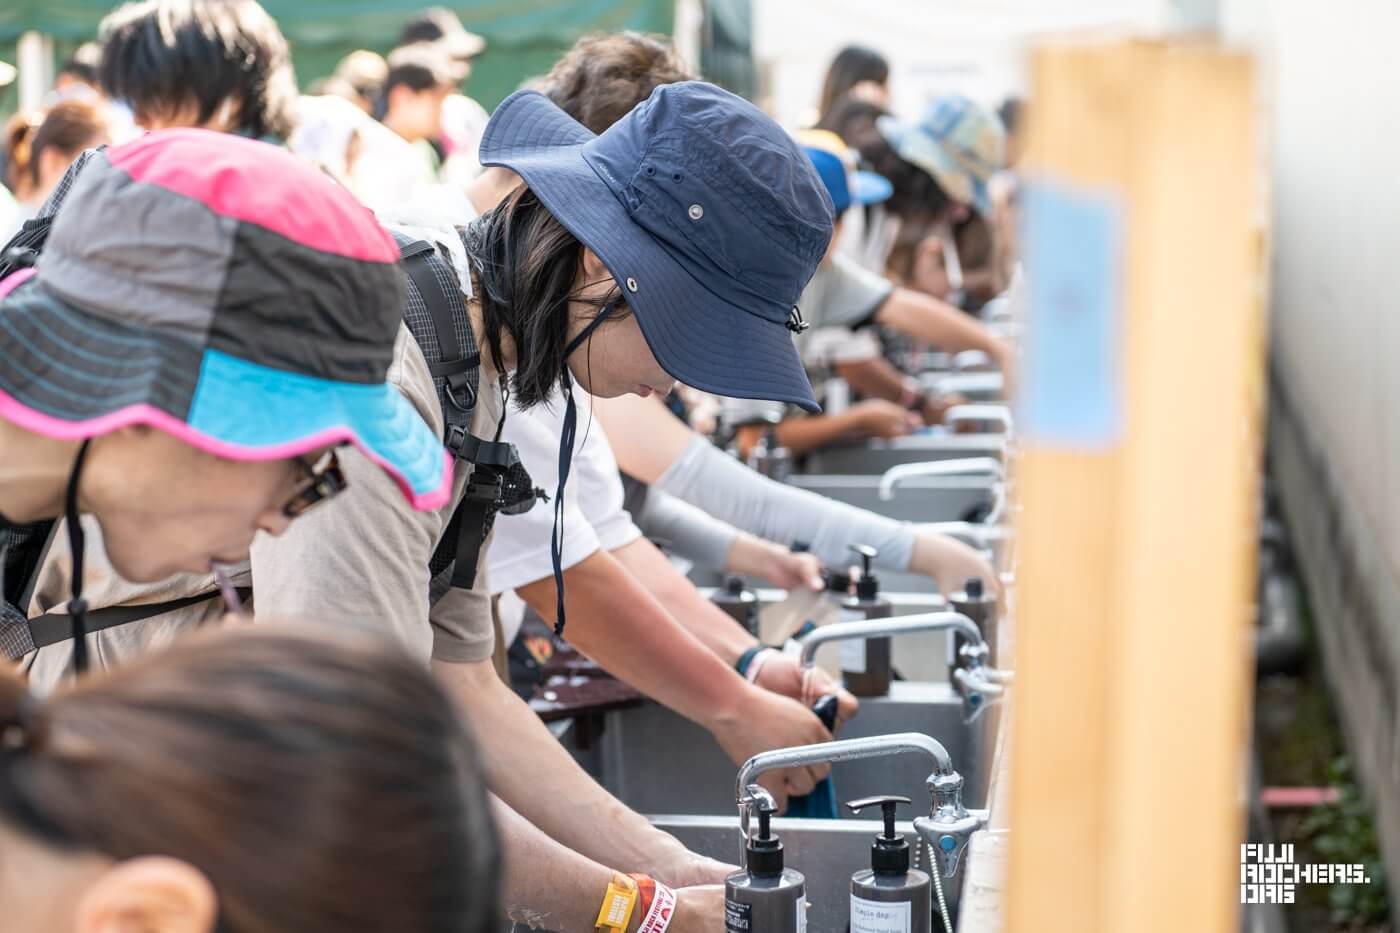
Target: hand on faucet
x,y
782,673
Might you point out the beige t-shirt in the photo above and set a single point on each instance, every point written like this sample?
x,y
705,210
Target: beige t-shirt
x,y
363,558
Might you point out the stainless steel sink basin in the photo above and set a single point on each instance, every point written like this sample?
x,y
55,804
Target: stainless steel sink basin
x,y
657,762
925,499
827,852
877,456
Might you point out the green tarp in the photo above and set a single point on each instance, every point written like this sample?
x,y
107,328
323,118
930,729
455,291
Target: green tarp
x,y
524,37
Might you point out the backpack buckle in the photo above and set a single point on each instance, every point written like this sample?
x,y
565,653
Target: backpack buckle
x,y
456,441
484,485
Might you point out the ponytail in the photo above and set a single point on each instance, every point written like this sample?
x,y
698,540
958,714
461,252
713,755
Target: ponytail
x,y
19,141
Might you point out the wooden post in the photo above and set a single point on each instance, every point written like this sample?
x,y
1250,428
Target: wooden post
x,y
1138,481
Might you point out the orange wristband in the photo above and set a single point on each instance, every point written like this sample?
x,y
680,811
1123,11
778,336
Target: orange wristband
x,y
646,892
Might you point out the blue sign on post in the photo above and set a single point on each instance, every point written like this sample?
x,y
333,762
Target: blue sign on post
x,y
1071,384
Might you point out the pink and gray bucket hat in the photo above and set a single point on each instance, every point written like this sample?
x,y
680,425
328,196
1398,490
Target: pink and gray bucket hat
x,y
223,291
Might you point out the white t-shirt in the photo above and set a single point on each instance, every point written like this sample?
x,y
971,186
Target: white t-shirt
x,y
594,518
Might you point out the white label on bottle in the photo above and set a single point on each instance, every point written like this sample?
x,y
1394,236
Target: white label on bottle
x,y
853,651
802,914
738,918
880,916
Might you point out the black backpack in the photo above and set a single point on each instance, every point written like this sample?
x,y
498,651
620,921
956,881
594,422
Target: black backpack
x,y
435,311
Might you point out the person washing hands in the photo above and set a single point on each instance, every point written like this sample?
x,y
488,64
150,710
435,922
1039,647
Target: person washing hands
x,y
631,611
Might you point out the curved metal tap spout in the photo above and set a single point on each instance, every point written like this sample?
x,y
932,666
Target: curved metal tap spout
x,y
877,746
876,628
961,466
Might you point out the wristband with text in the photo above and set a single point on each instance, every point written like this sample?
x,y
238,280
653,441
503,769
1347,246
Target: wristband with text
x,y
663,908
618,904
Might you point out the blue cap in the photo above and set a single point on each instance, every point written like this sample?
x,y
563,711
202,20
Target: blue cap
x,y
844,186
706,213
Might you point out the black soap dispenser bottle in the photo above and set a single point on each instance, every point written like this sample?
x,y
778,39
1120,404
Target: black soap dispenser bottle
x,y
889,896
980,605
764,896
865,665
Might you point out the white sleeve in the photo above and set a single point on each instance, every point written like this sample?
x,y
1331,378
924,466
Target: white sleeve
x,y
593,514
599,482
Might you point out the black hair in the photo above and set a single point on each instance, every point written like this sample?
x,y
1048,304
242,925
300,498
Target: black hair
x,y
526,263
159,56
917,196
851,66
1010,113
419,68
83,63
415,77
426,26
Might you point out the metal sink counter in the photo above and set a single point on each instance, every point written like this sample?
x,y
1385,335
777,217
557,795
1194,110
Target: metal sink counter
x,y
658,762
926,499
877,456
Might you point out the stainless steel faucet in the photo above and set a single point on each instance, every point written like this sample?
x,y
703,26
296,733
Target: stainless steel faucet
x,y
991,467
877,628
959,466
979,685
948,819
951,825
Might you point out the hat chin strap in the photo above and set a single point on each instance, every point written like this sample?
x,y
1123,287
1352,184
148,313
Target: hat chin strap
x,y
566,456
77,544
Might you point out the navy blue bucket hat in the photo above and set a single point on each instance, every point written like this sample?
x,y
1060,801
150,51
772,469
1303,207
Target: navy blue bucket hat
x,y
709,216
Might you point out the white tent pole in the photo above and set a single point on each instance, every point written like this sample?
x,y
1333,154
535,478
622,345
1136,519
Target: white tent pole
x,y
35,63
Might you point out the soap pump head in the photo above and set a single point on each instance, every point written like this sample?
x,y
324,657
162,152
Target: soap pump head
x,y
734,585
868,586
973,588
890,853
764,853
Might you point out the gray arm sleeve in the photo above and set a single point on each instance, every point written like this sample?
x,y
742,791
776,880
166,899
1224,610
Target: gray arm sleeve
x,y
711,480
688,531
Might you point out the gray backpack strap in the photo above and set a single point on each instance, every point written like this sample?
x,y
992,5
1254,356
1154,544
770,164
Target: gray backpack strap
x,y
460,369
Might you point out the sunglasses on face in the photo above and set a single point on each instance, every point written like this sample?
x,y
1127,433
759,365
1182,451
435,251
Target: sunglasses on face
x,y
319,481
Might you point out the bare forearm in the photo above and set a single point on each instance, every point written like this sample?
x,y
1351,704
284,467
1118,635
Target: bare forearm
x,y
615,621
547,886
558,797
645,436
707,622
874,378
925,318
805,433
